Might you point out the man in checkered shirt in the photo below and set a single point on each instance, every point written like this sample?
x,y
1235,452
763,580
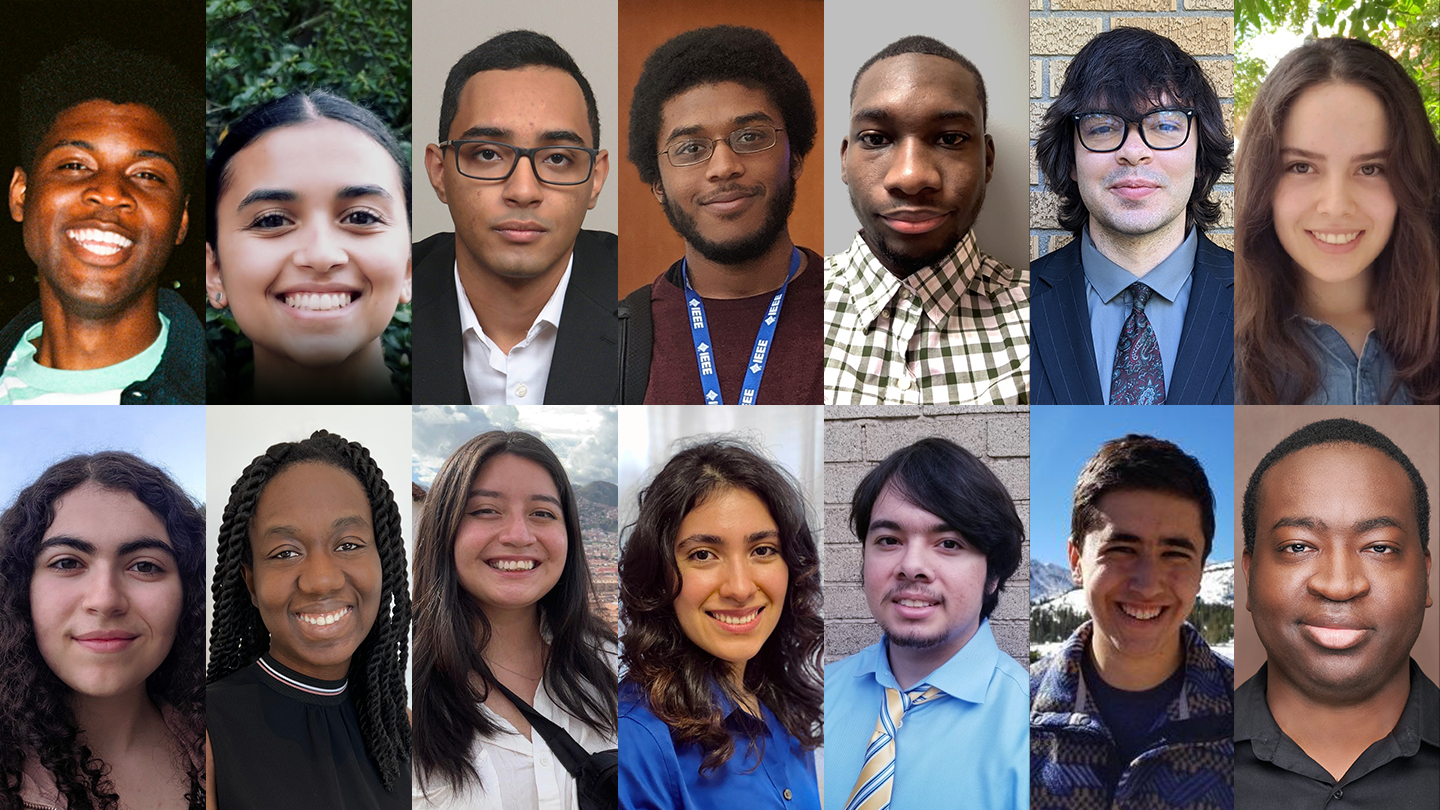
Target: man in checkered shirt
x,y
915,311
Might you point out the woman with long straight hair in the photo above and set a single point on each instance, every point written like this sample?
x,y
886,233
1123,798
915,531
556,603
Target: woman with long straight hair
x,y
503,602
1337,234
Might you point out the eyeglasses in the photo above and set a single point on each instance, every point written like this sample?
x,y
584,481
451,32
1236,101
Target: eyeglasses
x,y
493,160
1160,129
745,141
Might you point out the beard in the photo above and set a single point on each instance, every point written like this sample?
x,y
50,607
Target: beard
x,y
746,248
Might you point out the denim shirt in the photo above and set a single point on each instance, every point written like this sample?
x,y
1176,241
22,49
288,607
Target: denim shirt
x,y
1346,380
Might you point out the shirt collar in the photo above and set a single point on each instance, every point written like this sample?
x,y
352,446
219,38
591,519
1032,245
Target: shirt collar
x,y
1419,720
965,676
1109,279
549,314
939,286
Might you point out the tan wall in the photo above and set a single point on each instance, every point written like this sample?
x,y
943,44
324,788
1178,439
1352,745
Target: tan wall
x,y
1258,428
647,243
1204,28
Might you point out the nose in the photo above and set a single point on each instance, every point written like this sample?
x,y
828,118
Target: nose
x,y
1145,576
912,169
321,249
1134,150
109,189
107,595
522,187
320,574
1339,577
724,163
1336,197
514,531
915,562
739,583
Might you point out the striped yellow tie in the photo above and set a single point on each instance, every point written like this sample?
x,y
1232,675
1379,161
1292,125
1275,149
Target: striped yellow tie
x,y
877,777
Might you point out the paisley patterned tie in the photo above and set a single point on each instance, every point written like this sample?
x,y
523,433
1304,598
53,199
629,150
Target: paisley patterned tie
x,y
1138,376
877,776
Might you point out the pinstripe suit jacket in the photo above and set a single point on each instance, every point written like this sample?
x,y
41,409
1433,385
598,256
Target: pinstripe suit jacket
x,y
1062,353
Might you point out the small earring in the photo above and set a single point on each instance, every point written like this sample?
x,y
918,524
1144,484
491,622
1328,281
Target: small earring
x,y
218,300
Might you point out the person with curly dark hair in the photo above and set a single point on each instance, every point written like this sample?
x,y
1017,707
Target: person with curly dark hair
x,y
102,615
1132,146
720,124
503,602
306,683
720,702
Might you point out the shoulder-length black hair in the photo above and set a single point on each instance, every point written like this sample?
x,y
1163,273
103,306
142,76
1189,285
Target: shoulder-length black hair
x,y
1273,353
36,719
295,108
377,670
1127,71
676,676
451,631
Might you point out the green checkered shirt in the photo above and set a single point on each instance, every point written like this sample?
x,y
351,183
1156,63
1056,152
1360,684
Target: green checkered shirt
x,y
954,333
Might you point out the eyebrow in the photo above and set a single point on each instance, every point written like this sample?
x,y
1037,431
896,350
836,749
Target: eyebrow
x,y
714,540
1177,541
488,133
490,493
267,195
144,153
757,117
335,525
125,549
896,527
353,192
883,115
1317,156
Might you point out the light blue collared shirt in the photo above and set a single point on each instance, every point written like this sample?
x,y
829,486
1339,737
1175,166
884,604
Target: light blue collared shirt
x,y
1109,304
1349,380
968,749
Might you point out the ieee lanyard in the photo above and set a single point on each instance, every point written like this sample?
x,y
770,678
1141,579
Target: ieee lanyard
x,y
704,352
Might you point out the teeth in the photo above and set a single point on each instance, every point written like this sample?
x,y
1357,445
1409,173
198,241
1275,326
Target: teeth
x,y
746,619
323,619
1336,238
1143,614
914,603
513,565
101,243
317,301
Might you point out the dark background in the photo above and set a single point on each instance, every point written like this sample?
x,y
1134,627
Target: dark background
x,y
173,30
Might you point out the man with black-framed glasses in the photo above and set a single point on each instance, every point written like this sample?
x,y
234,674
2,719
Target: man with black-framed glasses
x,y
720,124
517,306
1138,307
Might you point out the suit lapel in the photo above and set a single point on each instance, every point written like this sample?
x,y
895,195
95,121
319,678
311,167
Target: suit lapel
x,y
1207,340
1062,330
438,373
585,366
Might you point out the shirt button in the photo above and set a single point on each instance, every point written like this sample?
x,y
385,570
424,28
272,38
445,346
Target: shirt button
x,y
787,794
544,761
1339,793
903,383
521,390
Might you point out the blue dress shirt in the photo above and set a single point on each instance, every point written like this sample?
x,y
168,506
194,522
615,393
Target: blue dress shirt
x,y
656,774
969,749
1349,380
1109,304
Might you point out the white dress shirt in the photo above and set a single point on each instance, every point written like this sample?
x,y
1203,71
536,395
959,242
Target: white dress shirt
x,y
494,378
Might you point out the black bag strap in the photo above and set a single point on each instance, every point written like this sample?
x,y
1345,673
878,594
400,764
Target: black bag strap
x,y
570,753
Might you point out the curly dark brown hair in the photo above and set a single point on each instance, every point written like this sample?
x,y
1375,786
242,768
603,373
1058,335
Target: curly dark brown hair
x,y
676,677
36,718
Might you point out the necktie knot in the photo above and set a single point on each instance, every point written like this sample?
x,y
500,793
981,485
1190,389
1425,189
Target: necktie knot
x,y
876,780
1139,294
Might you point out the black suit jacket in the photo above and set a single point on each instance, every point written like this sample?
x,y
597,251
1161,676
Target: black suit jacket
x,y
1062,353
585,368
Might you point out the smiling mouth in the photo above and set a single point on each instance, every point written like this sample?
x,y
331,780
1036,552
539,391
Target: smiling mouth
x,y
915,603
101,243
1139,613
735,619
512,565
319,302
1336,238
325,619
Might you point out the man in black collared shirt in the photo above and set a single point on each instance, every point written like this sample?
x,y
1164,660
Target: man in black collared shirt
x,y
1337,565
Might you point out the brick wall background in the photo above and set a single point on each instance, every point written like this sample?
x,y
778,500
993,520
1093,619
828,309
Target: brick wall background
x,y
1058,29
856,439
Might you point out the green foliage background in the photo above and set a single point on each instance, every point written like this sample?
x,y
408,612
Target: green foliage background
x,y
1408,30
259,50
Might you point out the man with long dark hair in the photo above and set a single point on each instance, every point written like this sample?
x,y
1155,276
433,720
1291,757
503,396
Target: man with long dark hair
x,y
939,537
1138,308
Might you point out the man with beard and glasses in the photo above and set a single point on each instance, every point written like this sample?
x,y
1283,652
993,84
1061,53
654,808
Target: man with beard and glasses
x,y
1135,709
1337,575
720,125
517,305
934,713
1138,308
108,146
915,312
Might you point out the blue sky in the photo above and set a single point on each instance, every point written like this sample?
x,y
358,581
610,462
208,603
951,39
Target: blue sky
x,y
169,436
1063,438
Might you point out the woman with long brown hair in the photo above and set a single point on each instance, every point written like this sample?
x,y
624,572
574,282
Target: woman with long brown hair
x,y
1337,240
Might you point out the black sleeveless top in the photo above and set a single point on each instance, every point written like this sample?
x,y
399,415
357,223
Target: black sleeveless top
x,y
285,740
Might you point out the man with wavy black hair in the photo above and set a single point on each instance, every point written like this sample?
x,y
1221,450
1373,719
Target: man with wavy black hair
x,y
1337,574
935,708
1138,308
720,124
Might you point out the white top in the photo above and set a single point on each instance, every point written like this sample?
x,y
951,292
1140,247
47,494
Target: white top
x,y
534,778
494,378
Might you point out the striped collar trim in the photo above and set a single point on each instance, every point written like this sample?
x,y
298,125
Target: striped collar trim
x,y
296,681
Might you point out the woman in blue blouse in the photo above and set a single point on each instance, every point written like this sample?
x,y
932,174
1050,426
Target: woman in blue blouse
x,y
721,698
1337,240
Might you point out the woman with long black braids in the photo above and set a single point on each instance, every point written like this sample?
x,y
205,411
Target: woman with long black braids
x,y
306,696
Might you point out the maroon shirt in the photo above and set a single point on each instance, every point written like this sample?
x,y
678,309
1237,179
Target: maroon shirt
x,y
795,370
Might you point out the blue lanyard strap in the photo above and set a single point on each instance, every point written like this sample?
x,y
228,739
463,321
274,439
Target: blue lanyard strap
x,y
705,353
